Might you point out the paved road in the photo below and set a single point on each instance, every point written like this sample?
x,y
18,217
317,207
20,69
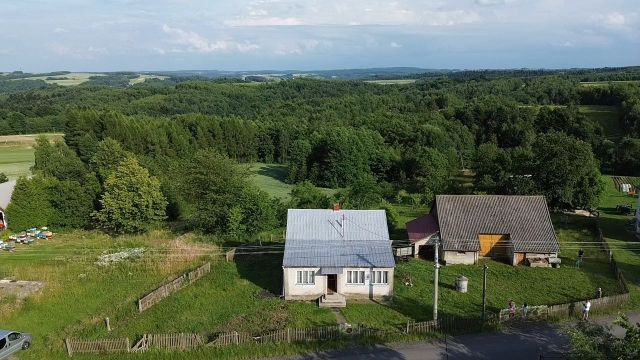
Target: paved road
x,y
525,342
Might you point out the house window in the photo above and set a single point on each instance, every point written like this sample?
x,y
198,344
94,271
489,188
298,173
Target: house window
x,y
306,278
379,277
355,277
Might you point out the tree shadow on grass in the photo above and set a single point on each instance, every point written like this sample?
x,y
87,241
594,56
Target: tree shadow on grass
x,y
261,268
274,171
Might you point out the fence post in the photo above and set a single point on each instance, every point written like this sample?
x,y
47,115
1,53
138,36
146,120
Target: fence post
x,y
69,351
237,337
128,345
407,327
289,335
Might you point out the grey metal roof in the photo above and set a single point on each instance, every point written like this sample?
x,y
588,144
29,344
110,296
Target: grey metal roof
x,y
6,190
525,219
344,238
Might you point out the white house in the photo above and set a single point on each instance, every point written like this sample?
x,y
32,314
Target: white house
x,y
6,191
336,255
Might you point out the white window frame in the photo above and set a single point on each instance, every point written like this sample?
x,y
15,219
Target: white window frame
x,y
305,277
380,277
355,277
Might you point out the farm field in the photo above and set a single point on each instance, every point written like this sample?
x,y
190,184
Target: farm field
x,y
392,82
624,244
16,154
70,79
144,77
607,83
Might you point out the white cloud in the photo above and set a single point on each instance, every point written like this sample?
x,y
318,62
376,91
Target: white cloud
x,y
60,30
98,50
270,21
394,44
450,18
492,2
197,43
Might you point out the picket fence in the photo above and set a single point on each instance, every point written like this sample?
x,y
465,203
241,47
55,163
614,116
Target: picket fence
x,y
97,346
185,341
574,309
174,285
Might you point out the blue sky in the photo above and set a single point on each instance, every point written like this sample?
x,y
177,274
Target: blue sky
x,y
108,35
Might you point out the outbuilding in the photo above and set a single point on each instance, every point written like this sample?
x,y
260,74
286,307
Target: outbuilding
x,y
515,229
6,191
336,255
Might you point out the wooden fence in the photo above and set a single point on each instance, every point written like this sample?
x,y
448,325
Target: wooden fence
x,y
174,285
185,341
574,309
182,341
97,346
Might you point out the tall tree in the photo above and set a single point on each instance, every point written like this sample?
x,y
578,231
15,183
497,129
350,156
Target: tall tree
x,y
132,201
30,205
566,172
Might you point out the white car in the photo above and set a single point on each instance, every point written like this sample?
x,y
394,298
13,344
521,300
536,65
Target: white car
x,y
12,342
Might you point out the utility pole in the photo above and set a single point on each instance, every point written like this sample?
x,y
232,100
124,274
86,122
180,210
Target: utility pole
x,y
435,284
484,294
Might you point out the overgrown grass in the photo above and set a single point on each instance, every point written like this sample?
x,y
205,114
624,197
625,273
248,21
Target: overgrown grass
x,y
625,246
608,117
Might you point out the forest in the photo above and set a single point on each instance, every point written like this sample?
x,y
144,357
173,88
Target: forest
x,y
137,155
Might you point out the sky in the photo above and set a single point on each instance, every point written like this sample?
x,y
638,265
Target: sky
x,y
153,35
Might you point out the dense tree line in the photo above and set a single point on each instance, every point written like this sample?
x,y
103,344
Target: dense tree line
x,y
521,132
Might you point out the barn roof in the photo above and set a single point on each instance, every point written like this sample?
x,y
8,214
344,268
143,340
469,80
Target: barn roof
x,y
422,228
6,190
525,219
343,238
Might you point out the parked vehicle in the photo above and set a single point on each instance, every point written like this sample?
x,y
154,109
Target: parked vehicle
x,y
12,342
624,209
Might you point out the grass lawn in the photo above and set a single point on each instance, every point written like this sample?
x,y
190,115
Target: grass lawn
x,y
536,286
78,294
271,179
16,154
624,244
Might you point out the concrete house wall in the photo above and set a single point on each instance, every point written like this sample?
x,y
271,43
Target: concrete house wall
x,y
293,291
459,257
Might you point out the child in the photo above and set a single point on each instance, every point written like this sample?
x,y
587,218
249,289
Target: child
x,y
525,310
585,311
512,309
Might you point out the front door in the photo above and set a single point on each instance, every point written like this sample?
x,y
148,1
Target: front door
x,y
332,284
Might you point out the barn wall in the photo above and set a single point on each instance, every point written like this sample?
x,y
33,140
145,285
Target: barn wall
x,y
456,257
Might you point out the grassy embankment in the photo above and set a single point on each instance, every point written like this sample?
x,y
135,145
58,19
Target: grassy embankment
x,y
625,246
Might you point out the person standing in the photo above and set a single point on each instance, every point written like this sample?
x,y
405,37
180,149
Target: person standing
x,y
580,258
525,310
586,309
512,309
599,293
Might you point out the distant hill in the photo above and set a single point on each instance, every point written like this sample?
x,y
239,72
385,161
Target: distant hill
x,y
369,73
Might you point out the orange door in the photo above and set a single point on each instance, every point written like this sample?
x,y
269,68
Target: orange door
x,y
486,243
493,244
